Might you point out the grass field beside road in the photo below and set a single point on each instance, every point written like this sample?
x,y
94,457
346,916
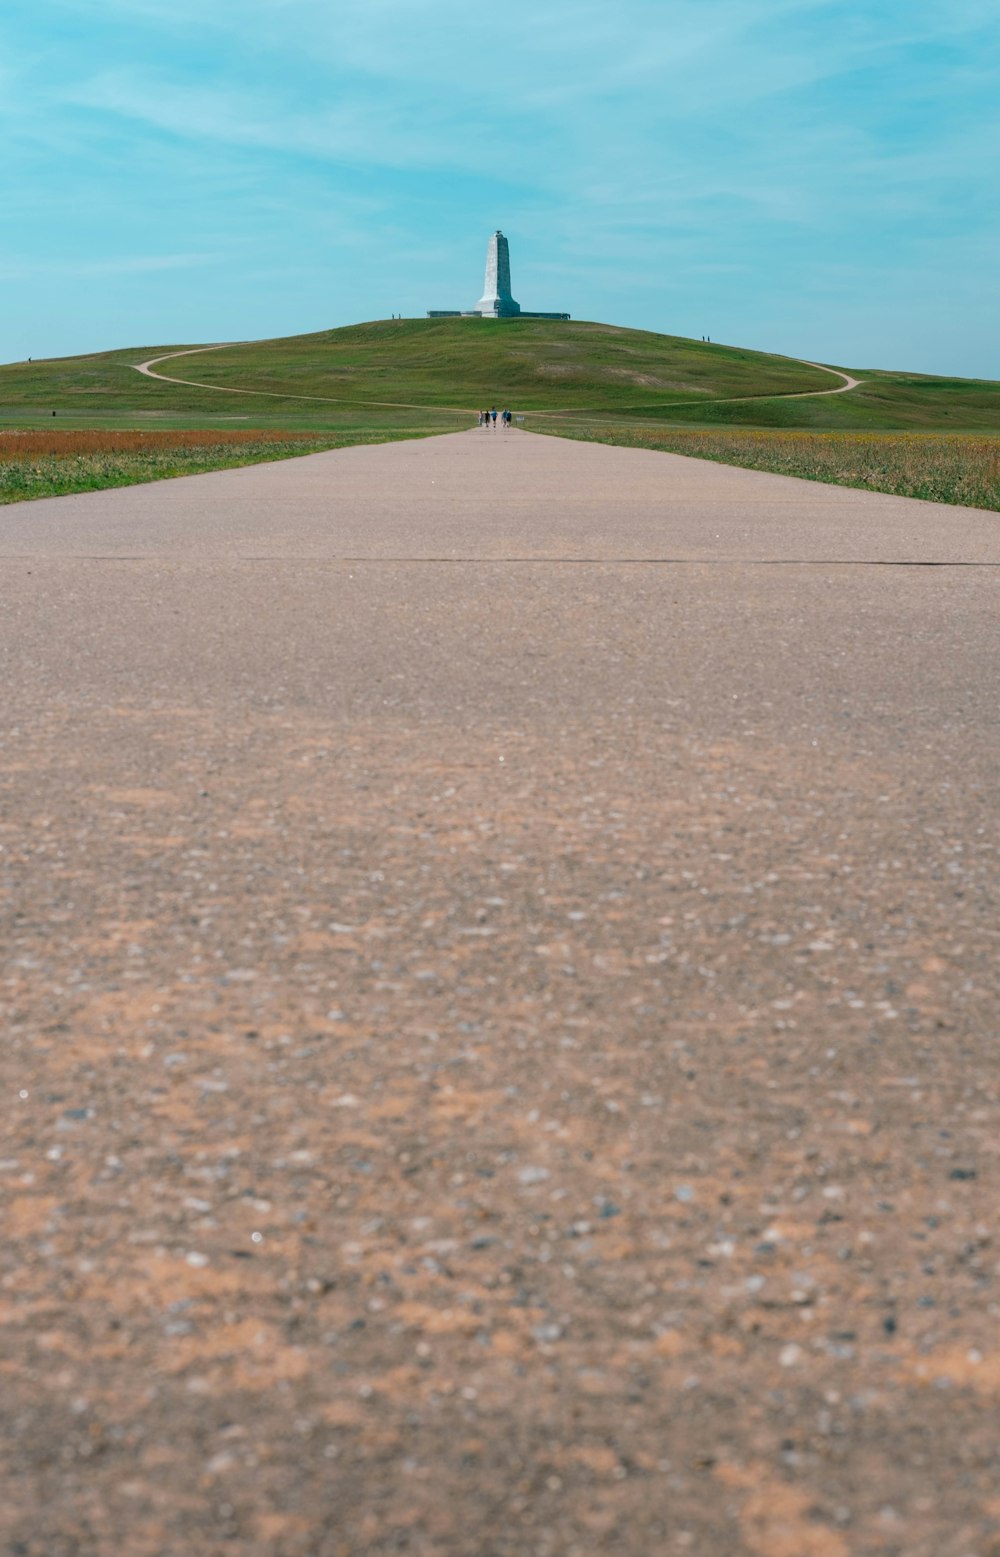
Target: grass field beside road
x,y
50,464
894,432
944,468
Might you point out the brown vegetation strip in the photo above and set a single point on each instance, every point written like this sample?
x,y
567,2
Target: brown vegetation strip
x,y
52,464
943,468
62,445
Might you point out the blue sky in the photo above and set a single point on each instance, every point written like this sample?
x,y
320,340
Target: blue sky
x,y
816,177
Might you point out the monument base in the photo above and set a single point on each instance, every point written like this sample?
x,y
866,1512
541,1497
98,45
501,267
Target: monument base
x,y
475,313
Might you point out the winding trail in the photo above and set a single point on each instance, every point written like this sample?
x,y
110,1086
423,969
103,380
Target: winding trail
x,y
816,394
273,394
147,368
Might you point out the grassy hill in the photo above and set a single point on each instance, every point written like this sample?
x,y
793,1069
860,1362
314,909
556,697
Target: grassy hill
x,y
433,372
428,374
537,364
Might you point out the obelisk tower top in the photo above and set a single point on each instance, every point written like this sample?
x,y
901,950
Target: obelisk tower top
x,y
496,299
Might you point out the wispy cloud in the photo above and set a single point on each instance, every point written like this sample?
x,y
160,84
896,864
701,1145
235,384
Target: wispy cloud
x,y
351,128
103,268
719,150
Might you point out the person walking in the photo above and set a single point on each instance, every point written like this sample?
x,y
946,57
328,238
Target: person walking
x,y
493,413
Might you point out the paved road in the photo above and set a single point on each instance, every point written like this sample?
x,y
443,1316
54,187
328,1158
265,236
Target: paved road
x,y
500,1004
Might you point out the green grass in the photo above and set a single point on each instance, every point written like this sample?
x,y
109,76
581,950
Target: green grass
x,y
53,463
960,468
883,402
460,364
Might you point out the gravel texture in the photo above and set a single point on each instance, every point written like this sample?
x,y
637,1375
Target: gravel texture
x,y
499,1001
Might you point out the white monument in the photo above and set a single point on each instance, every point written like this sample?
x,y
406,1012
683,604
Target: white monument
x,y
496,301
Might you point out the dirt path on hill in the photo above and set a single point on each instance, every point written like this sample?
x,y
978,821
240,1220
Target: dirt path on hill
x,y
191,351
817,394
402,405
499,985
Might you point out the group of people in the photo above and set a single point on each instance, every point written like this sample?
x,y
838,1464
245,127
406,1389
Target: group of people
x,y
489,418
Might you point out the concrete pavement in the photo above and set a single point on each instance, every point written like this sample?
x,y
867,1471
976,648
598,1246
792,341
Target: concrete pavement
x,y
499,998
